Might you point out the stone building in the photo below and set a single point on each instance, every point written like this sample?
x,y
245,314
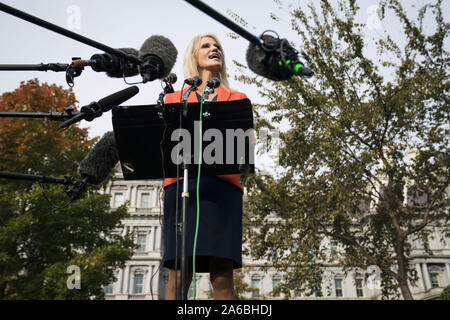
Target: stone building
x,y
144,278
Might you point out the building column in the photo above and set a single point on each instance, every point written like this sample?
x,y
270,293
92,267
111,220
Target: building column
x,y
420,279
151,243
119,290
126,280
447,269
426,276
133,197
157,238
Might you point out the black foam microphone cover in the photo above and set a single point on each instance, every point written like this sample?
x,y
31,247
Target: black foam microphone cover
x,y
122,67
213,82
171,78
265,63
100,161
159,49
116,67
117,98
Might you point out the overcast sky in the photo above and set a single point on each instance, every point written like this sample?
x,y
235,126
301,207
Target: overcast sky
x,y
129,23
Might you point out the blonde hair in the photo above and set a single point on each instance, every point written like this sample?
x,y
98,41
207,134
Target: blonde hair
x,y
190,65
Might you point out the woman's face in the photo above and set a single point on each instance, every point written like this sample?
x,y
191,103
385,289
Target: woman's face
x,y
209,55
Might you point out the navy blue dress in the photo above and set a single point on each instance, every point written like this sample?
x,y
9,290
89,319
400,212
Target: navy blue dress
x,y
220,222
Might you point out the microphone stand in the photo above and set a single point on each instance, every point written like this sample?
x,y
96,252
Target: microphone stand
x,y
206,113
57,67
185,203
73,192
58,116
168,88
184,260
185,98
70,70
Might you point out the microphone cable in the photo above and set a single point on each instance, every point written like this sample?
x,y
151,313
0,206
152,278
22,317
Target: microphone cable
x,y
53,207
200,158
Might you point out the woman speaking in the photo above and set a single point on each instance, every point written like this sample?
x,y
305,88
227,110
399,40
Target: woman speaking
x,y
219,239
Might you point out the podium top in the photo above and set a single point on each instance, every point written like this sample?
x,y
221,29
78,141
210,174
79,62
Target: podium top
x,y
148,139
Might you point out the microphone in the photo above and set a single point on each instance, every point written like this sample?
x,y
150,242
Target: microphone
x,y
158,55
171,78
100,161
114,66
213,83
276,59
194,81
96,109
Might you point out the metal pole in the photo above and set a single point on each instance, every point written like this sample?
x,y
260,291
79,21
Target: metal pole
x,y
225,21
184,260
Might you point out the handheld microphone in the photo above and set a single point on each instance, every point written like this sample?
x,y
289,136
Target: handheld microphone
x,y
96,109
158,55
100,161
276,59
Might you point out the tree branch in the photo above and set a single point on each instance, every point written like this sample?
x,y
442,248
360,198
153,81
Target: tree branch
x,y
427,212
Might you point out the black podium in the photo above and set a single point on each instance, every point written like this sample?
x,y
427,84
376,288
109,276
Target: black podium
x,y
152,144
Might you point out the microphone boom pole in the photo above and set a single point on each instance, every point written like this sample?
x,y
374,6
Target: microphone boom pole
x,y
57,67
32,177
225,21
58,116
50,26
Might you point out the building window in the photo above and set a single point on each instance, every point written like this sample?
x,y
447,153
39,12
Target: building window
x,y
333,249
109,288
274,253
255,287
434,280
275,282
145,200
359,289
118,199
142,240
338,287
138,283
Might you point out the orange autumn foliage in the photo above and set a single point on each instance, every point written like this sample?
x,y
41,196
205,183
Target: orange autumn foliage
x,y
32,145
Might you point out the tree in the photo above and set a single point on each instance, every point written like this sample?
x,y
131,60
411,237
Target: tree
x,y
366,156
49,253
241,287
445,294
